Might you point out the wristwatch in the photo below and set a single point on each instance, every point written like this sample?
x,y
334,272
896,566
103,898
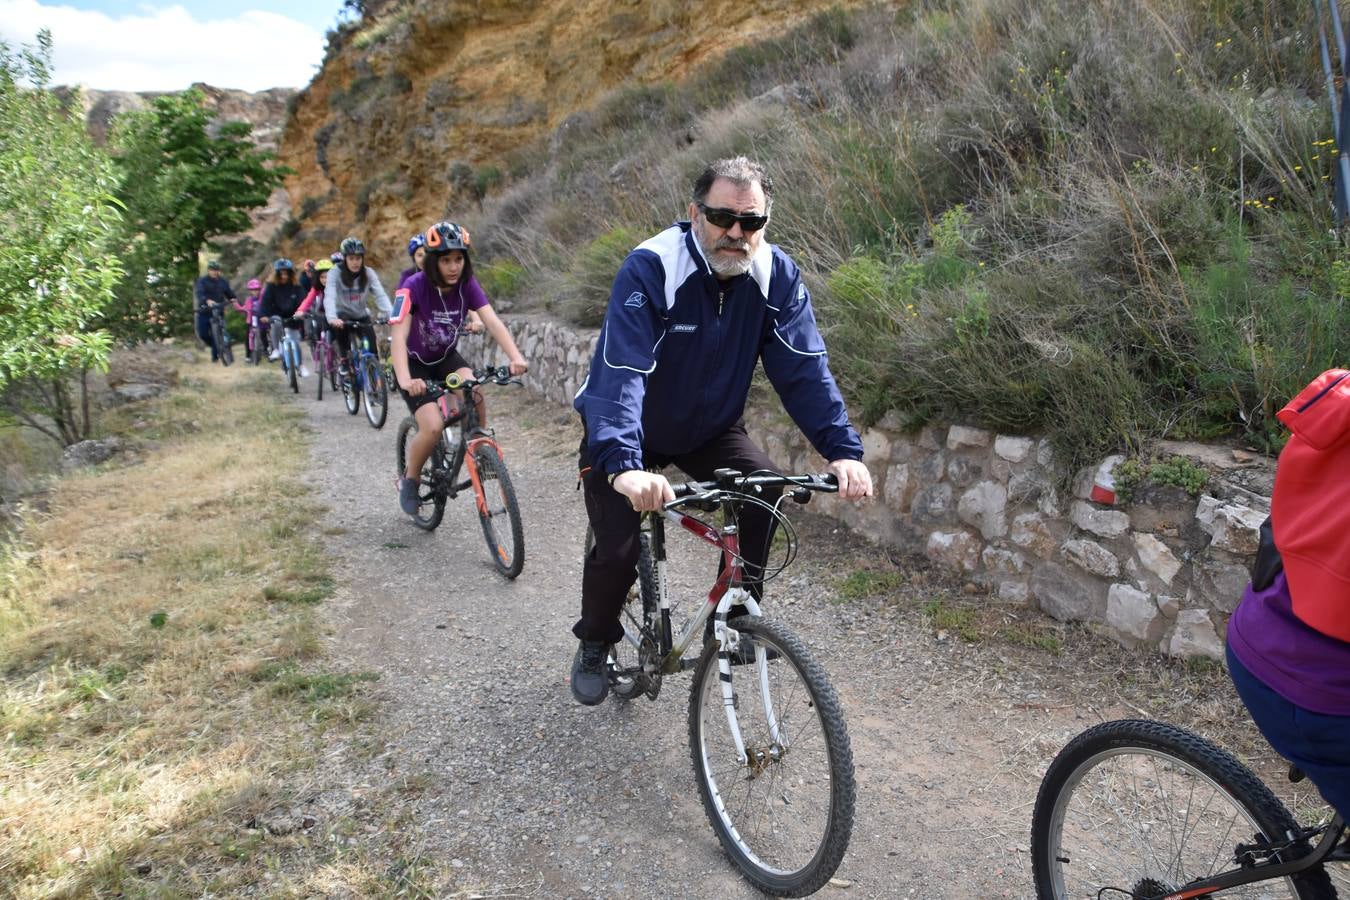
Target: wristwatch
x,y
612,476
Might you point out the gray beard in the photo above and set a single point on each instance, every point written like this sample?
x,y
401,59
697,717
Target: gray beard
x,y
726,267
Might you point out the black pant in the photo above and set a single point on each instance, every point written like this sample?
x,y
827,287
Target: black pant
x,y
204,331
610,569
361,326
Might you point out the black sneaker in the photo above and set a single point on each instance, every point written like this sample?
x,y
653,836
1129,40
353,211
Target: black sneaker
x,y
407,495
590,681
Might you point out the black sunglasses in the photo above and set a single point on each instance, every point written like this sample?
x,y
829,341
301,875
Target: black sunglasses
x,y
725,218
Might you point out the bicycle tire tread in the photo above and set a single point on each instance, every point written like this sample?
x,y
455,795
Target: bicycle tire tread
x,y
830,709
1193,750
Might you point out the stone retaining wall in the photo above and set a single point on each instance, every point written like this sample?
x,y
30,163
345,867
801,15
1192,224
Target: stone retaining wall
x,y
1164,571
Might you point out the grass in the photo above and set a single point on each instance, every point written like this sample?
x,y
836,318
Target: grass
x,y
164,682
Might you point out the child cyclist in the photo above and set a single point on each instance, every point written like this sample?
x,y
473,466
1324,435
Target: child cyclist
x,y
311,308
417,251
431,310
252,303
281,301
345,298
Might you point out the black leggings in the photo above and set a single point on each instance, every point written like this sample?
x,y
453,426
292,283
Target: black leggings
x,y
610,569
342,336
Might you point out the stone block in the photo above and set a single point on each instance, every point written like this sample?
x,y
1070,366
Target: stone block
x,y
933,505
1068,595
931,468
1217,581
959,436
900,488
1013,591
1091,557
1156,557
1013,449
1234,526
1194,635
1030,532
1008,562
985,506
1045,453
1132,613
1107,523
963,472
1168,605
930,438
876,448
958,551
1027,487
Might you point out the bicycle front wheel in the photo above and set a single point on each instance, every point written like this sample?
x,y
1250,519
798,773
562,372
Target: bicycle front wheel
x,y
320,372
500,513
351,394
784,811
1138,809
431,496
223,351
377,393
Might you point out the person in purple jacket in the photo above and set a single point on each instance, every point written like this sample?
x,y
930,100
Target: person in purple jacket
x,y
692,313
430,311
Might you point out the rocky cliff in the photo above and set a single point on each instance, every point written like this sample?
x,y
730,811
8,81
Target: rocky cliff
x,y
420,106
265,111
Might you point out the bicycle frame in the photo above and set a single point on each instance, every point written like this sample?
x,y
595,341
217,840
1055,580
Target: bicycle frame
x,y
725,594
472,436
1266,871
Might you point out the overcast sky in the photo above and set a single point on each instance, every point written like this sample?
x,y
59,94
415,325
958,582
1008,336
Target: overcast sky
x,y
158,45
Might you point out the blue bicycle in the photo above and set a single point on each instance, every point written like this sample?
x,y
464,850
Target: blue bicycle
x,y
290,353
365,378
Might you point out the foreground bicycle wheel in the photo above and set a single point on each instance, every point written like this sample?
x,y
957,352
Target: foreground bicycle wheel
x,y
784,815
376,393
1136,809
431,498
222,341
502,528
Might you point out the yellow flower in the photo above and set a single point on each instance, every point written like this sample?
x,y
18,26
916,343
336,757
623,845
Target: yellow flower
x,y
1298,168
1213,149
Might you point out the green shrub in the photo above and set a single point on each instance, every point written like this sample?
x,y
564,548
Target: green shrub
x,y
591,275
501,279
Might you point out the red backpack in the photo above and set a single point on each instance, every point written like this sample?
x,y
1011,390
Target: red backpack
x,y
1310,508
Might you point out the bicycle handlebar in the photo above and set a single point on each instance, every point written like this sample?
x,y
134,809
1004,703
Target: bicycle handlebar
x,y
729,481
489,375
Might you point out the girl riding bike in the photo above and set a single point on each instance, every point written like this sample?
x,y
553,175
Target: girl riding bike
x,y
311,308
345,298
280,302
432,309
1289,638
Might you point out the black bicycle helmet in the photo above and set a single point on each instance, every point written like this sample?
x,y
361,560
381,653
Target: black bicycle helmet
x,y
353,247
446,236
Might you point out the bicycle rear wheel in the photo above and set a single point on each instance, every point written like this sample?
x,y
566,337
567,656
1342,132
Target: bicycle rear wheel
x,y
430,494
292,354
377,393
784,814
1138,809
223,351
500,518
320,369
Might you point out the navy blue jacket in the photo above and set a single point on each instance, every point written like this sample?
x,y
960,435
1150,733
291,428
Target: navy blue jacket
x,y
677,350
215,290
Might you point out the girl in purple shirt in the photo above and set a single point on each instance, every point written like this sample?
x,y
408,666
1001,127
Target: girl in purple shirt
x,y
431,309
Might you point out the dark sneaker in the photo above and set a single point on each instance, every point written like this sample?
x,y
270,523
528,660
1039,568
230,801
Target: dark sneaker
x,y
407,495
590,681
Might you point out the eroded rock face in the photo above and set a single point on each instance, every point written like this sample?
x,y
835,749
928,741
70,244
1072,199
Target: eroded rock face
x,y
408,100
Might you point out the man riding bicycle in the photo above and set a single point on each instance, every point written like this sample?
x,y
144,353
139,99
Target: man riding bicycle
x,y
692,312
210,290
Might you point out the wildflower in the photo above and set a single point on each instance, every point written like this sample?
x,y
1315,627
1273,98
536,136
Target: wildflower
x,y
1213,149
1298,168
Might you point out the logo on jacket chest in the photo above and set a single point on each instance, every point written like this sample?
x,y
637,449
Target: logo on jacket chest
x,y
683,329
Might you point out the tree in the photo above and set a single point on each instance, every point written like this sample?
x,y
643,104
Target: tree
x,y
57,271
186,180
59,217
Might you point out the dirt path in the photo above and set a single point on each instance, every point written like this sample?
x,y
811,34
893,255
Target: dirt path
x,y
518,791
